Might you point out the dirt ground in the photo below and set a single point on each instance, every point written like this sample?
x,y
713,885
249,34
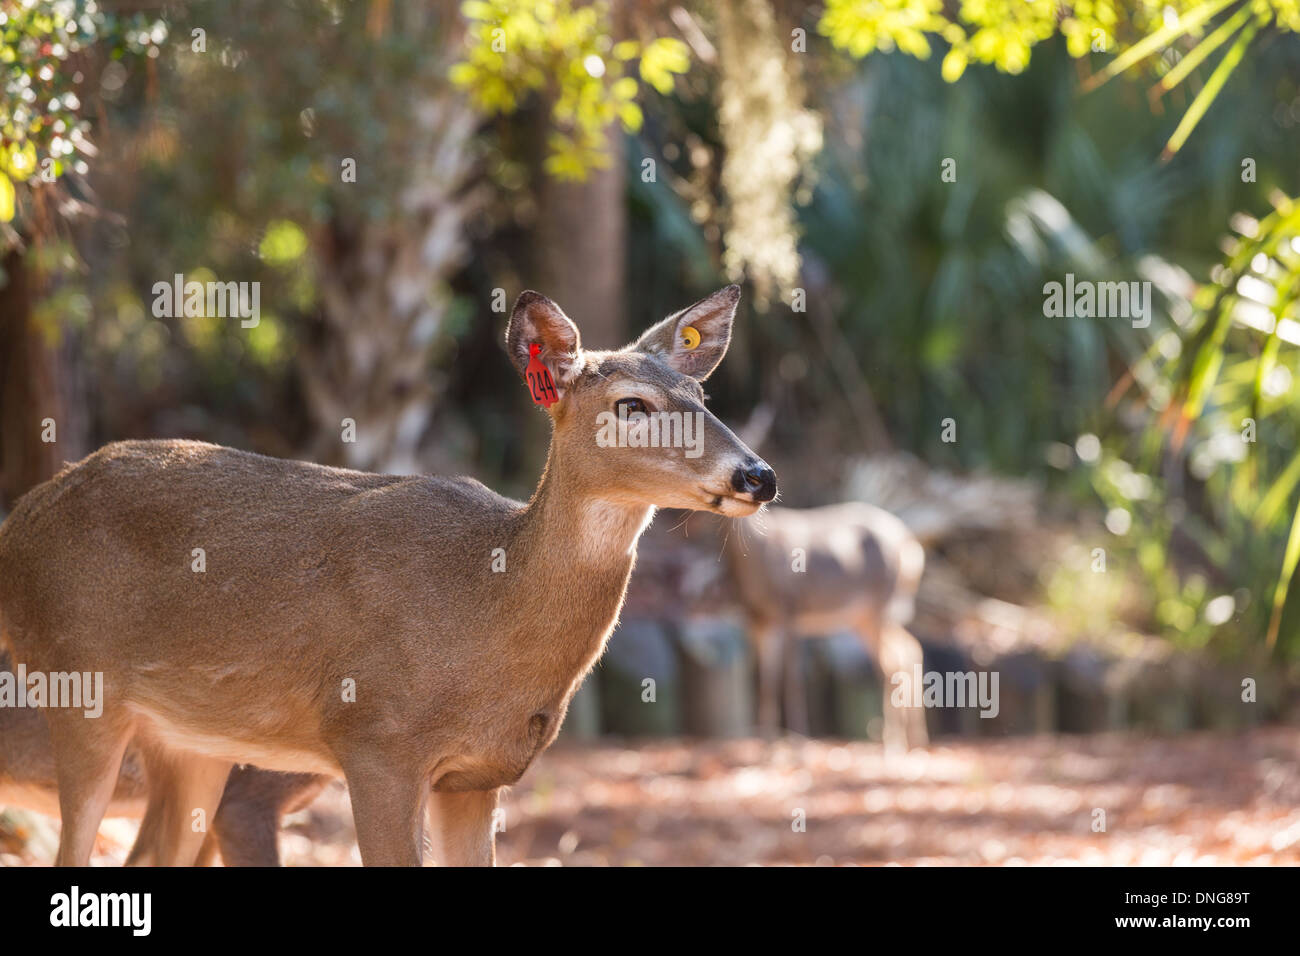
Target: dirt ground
x,y
1201,798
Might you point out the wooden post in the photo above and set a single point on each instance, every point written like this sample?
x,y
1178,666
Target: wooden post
x,y
717,687
640,650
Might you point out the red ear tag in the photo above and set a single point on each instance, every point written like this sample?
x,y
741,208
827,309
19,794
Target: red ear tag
x,y
538,376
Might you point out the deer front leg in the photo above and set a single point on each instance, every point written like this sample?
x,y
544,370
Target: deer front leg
x,y
388,811
900,652
795,690
462,827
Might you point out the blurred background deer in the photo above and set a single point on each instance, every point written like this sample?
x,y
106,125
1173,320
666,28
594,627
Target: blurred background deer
x,y
807,572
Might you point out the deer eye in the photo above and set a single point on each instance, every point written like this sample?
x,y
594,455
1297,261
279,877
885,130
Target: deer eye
x,y
632,405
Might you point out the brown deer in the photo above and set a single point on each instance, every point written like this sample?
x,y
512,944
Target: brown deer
x,y
850,566
420,637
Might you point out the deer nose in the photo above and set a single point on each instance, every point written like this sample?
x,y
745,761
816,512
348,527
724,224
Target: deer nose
x,y
757,479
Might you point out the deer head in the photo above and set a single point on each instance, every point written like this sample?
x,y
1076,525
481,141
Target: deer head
x,y
631,423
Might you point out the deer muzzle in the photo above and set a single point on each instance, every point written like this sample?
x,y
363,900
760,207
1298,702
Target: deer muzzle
x,y
755,478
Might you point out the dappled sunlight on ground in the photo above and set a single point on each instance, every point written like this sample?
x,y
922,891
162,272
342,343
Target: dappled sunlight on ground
x,y
1201,798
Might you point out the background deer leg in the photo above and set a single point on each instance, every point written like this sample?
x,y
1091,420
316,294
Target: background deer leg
x,y
247,825
796,691
871,634
897,651
907,656
767,639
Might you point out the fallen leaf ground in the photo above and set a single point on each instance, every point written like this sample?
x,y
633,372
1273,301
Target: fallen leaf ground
x,y
1200,798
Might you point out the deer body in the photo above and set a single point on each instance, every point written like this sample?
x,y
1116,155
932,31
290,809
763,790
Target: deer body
x,y
352,624
381,580
849,566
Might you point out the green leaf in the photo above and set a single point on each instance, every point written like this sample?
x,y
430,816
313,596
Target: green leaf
x,y
631,116
463,74
283,243
662,58
1286,294
1211,89
1204,49
1162,37
6,199
1289,562
954,65
1277,495
1209,359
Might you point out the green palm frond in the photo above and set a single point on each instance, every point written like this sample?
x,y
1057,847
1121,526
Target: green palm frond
x,y
1242,23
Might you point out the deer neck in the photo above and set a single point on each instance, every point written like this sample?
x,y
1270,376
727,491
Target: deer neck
x,y
575,528
576,549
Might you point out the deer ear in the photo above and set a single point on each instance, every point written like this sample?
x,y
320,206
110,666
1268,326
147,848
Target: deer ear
x,y
535,319
694,340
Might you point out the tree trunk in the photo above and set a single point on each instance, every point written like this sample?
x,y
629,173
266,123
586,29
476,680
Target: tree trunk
x,y
384,302
581,248
34,387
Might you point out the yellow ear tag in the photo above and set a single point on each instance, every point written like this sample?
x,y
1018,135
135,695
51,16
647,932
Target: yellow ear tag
x,y
690,337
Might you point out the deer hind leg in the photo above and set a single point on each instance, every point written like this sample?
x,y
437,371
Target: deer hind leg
x,y
463,827
184,792
88,756
247,825
893,654
208,852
